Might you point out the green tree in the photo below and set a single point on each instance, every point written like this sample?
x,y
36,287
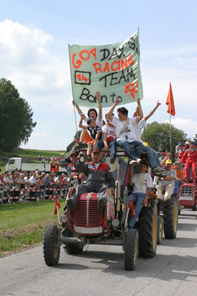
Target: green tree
x,y
158,137
16,122
195,138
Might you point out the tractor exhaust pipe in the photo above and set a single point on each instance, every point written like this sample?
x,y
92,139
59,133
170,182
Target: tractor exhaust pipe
x,y
70,240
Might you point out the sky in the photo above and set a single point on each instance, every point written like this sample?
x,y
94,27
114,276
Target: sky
x,y
34,37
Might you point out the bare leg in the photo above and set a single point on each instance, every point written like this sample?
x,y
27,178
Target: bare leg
x,y
82,136
89,150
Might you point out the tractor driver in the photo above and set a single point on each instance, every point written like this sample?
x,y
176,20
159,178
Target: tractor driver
x,y
100,177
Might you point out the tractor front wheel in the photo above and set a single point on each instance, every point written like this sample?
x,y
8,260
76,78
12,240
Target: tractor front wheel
x,y
170,217
51,246
131,249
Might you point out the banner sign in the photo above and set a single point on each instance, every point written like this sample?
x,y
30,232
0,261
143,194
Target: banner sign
x,y
113,70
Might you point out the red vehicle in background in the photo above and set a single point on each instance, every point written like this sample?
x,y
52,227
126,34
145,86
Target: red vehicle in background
x,y
188,193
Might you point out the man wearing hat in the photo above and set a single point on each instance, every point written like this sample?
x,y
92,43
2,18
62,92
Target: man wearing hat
x,y
166,184
179,151
190,158
73,173
100,177
187,144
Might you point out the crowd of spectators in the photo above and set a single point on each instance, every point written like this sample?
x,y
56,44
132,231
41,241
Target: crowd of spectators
x,y
14,184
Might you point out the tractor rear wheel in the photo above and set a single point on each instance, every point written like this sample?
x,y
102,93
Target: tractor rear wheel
x,y
147,227
51,246
131,249
170,216
160,226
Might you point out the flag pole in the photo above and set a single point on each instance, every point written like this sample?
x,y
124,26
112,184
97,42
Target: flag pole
x,y
138,71
75,121
170,135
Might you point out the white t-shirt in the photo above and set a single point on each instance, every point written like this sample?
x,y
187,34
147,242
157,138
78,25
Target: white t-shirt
x,y
32,180
129,134
7,179
142,182
96,165
110,131
98,122
138,128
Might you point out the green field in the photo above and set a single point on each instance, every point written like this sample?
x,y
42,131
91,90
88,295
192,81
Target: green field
x,y
22,225
30,154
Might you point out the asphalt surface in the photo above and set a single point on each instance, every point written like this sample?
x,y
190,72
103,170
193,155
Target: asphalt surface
x,y
100,270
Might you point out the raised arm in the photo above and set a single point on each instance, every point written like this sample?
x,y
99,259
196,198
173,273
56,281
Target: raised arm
x,y
152,112
98,97
111,110
139,110
80,122
164,160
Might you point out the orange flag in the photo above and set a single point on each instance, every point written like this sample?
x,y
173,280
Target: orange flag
x,y
170,102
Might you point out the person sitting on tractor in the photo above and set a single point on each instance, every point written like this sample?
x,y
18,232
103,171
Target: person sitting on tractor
x,y
109,139
153,159
94,132
100,177
74,175
179,174
166,184
92,113
190,158
142,184
125,132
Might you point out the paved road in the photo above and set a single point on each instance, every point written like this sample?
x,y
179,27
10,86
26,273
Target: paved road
x,y
100,270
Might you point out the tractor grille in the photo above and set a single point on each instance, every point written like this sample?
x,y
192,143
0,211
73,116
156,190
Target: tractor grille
x,y
81,213
94,214
87,215
186,191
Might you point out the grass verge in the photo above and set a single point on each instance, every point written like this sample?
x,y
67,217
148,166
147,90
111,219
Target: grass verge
x,y
22,225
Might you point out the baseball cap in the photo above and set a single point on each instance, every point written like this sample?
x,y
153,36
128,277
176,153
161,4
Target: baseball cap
x,y
73,152
180,144
186,143
145,144
96,151
90,120
177,162
168,161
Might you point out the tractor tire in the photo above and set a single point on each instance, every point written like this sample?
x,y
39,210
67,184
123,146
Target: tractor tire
x,y
51,246
131,249
194,208
147,227
160,227
170,217
72,248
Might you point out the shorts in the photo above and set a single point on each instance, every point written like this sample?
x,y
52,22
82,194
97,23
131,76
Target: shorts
x,y
88,139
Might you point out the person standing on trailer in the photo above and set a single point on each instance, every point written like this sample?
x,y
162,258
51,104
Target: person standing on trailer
x,y
190,158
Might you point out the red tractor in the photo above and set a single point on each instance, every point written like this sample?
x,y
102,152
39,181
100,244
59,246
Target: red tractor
x,y
188,194
87,225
